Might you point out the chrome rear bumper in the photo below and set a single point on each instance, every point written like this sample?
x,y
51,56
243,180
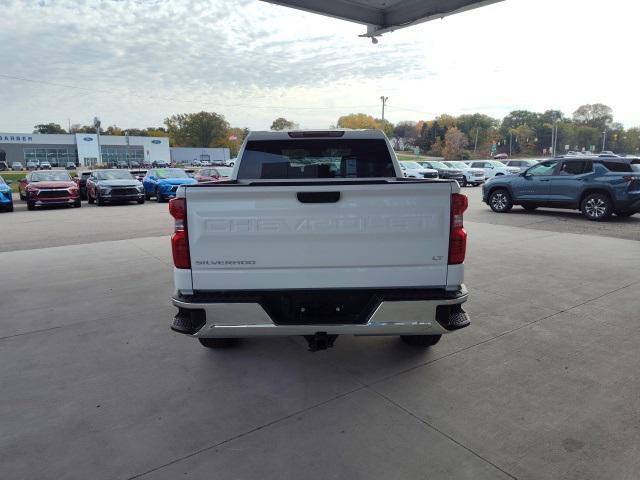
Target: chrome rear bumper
x,y
405,317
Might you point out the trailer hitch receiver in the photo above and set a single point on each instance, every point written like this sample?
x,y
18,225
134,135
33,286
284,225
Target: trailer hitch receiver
x,y
320,341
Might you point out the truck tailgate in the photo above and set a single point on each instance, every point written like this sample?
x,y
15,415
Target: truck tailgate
x,y
327,235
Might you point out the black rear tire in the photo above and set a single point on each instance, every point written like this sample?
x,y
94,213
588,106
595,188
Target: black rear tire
x,y
30,205
77,204
218,342
421,340
596,207
500,200
141,201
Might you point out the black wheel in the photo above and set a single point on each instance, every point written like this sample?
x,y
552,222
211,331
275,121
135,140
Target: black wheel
x,y
218,342
90,199
500,201
625,214
99,200
159,198
30,205
420,340
22,197
463,182
77,204
146,195
10,207
596,207
141,201
529,208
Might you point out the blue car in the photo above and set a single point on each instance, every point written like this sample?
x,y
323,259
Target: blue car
x,y
597,186
163,183
6,196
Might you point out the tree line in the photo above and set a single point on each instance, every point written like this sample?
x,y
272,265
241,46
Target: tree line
x,y
520,133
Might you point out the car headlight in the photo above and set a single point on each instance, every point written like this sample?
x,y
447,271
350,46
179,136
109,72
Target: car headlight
x,y
104,189
140,188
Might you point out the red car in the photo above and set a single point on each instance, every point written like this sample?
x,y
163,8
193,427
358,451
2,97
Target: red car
x,y
50,187
216,174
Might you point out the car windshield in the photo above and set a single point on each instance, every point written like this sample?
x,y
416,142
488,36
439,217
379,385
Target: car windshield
x,y
172,173
54,175
438,165
113,175
412,165
457,164
495,163
316,158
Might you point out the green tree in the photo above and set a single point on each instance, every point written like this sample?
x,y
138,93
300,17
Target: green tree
x,y
282,123
77,128
357,120
234,139
114,130
202,129
48,128
454,144
364,121
595,115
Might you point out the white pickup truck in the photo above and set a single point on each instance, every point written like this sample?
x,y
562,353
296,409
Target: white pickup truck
x,y
317,233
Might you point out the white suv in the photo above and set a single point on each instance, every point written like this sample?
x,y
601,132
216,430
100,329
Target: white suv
x,y
472,176
493,168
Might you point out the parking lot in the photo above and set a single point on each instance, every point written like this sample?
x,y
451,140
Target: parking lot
x,y
543,384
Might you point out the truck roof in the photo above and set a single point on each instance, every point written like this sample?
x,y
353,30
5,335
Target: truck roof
x,y
328,133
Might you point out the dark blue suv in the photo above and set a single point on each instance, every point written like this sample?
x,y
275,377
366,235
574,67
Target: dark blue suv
x,y
595,185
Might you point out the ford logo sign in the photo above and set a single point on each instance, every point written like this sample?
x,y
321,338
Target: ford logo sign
x,y
88,139
156,141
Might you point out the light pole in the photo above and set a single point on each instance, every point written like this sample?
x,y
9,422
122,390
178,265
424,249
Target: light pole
x,y
96,124
510,141
555,138
384,102
604,139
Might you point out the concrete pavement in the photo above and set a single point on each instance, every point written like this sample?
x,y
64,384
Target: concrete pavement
x,y
543,384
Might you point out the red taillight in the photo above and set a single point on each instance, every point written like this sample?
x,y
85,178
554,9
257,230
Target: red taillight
x,y
180,239
457,235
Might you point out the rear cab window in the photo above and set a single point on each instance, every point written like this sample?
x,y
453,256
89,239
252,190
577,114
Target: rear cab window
x,y
316,158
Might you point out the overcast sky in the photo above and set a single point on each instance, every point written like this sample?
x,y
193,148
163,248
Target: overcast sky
x,y
135,62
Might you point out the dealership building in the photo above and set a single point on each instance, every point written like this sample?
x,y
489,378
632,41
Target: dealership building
x,y
84,149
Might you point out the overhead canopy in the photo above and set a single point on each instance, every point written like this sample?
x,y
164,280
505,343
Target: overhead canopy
x,y
382,16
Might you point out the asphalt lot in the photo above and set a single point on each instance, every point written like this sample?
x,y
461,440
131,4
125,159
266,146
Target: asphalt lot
x,y
543,384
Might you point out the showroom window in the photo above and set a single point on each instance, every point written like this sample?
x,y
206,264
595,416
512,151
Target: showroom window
x,y
111,155
57,157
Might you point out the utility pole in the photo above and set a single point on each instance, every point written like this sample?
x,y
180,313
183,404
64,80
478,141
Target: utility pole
x,y
510,141
555,140
384,102
475,145
604,139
